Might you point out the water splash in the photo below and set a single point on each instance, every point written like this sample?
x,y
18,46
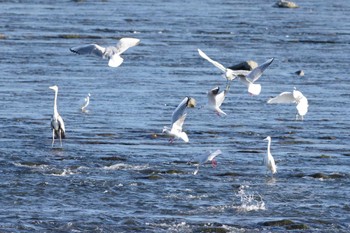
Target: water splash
x,y
249,202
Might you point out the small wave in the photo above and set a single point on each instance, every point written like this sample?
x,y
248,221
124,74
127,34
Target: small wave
x,y
65,172
249,202
124,166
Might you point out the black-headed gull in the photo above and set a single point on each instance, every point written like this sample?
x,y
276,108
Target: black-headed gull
x,y
178,118
57,123
112,53
268,159
201,160
248,78
228,73
292,97
215,99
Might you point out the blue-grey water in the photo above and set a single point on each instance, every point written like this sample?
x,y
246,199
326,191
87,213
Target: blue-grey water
x,y
117,172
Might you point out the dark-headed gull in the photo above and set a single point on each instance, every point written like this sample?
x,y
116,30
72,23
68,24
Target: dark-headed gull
x,y
249,78
178,118
228,73
201,160
57,123
268,159
292,97
215,99
112,53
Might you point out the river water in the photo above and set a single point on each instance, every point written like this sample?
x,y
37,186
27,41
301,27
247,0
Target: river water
x,y
117,172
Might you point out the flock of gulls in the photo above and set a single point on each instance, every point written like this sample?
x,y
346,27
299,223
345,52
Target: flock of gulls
x,y
215,97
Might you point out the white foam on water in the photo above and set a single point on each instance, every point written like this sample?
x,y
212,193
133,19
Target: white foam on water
x,y
249,201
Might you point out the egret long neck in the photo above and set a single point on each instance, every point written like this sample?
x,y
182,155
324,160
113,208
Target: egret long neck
x,y
55,112
268,147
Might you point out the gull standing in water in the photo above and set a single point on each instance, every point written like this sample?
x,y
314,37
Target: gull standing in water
x,y
268,159
207,158
112,53
292,97
215,99
249,78
177,120
57,123
229,74
87,101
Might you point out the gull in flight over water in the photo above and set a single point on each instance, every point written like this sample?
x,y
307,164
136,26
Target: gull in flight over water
x,y
215,99
112,53
57,123
229,74
295,97
268,159
87,101
206,158
177,120
248,78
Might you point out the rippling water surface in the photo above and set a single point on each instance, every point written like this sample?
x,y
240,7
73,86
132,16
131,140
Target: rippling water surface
x,y
116,171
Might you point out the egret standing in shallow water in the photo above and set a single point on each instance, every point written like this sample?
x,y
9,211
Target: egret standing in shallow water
x,y
112,53
57,123
268,159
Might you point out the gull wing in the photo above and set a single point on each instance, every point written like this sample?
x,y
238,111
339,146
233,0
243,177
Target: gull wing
x,y
61,125
256,73
179,111
215,63
89,49
245,80
115,60
126,43
177,125
214,154
219,98
283,98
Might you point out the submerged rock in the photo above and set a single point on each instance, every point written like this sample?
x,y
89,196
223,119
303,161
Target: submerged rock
x,y
246,65
286,4
279,223
300,73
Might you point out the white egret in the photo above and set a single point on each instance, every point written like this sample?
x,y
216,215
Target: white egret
x,y
292,97
57,123
268,159
112,52
228,73
215,99
206,158
249,78
87,102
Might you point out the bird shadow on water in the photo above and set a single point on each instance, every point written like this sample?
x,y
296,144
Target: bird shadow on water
x,y
270,180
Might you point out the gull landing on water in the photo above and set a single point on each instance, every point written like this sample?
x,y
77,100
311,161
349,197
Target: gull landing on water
x,y
112,53
206,158
178,118
215,99
292,97
248,78
57,123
